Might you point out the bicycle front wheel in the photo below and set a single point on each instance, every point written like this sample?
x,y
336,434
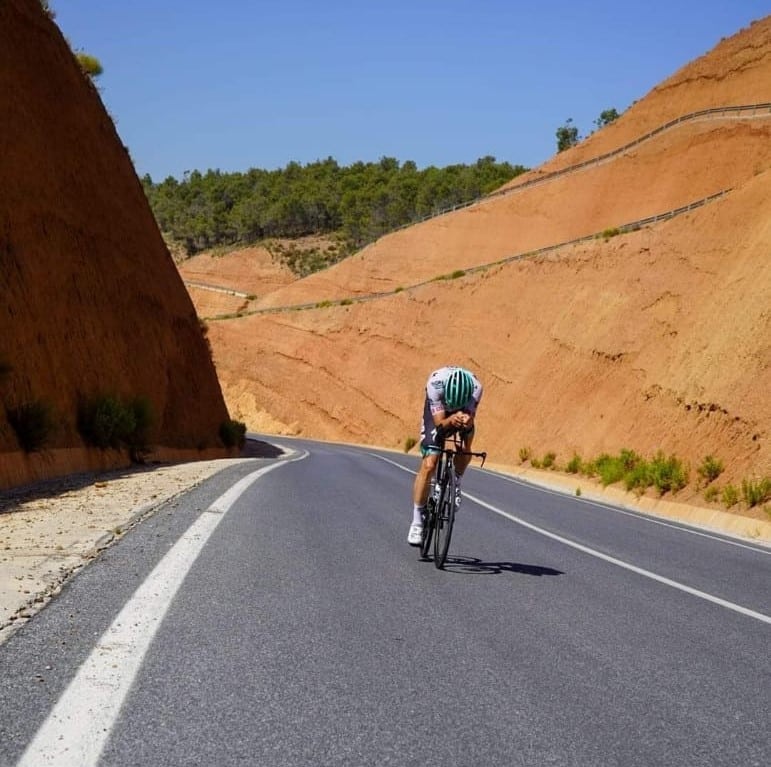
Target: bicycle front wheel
x,y
445,518
429,522
432,505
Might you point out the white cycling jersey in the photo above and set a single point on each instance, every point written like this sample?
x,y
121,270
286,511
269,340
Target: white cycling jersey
x,y
435,391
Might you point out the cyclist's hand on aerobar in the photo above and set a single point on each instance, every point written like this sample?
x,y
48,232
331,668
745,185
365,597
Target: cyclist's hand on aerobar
x,y
459,420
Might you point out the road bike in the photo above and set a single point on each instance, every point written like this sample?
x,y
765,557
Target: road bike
x,y
442,502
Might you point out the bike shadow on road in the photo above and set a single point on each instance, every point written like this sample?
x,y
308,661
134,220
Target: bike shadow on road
x,y
475,566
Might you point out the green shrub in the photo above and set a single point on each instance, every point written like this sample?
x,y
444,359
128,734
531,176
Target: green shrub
x,y
90,65
457,273
548,460
639,478
137,440
105,422
610,232
233,433
32,423
409,443
614,468
711,493
305,261
634,469
574,464
729,496
629,459
665,474
668,474
710,468
609,468
535,463
524,454
108,421
755,492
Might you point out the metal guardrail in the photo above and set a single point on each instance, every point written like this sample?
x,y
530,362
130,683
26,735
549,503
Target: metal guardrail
x,y
738,112
622,229
216,288
741,111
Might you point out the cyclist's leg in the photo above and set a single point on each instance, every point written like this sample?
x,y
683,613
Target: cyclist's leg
x,y
420,496
423,479
430,452
431,444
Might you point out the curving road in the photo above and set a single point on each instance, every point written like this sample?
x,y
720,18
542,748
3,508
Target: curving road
x,y
275,616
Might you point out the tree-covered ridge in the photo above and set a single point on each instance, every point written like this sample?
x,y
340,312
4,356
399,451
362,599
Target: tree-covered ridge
x,y
358,203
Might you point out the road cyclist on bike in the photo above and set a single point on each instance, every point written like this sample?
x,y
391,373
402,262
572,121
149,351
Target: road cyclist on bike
x,y
452,397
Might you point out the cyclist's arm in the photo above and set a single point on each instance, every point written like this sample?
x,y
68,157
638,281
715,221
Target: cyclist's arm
x,y
457,420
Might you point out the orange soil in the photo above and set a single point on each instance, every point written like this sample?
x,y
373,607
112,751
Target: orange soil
x,y
656,339
93,303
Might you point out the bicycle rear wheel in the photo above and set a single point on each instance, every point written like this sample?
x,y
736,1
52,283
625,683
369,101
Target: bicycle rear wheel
x,y
445,518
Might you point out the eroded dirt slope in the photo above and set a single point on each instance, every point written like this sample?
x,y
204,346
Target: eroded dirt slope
x,y
92,302
673,170
655,339
224,283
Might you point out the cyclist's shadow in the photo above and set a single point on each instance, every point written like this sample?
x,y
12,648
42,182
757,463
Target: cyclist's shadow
x,y
471,565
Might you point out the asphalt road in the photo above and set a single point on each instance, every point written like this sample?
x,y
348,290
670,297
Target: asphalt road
x,y
293,625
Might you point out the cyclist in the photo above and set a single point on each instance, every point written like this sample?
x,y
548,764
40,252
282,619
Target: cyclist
x,y
452,397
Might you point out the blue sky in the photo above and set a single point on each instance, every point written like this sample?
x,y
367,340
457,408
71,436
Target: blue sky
x,y
235,84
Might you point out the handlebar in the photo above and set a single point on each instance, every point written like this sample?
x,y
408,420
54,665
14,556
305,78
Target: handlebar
x,y
456,445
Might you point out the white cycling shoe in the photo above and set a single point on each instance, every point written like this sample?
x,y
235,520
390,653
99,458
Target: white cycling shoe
x,y
415,535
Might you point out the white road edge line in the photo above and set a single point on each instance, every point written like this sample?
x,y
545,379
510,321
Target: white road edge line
x,y
599,555
78,726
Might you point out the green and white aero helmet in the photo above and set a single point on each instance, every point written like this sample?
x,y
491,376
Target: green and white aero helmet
x,y
458,389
